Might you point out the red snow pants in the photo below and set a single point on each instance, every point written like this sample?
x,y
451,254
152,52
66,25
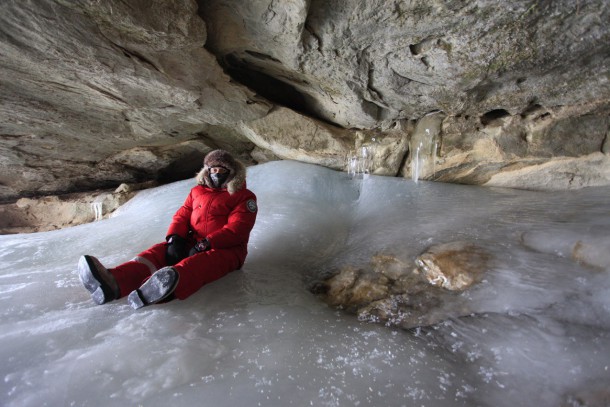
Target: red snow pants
x,y
194,271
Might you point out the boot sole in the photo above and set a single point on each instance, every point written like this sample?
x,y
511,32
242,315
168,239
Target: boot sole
x,y
151,292
135,300
93,282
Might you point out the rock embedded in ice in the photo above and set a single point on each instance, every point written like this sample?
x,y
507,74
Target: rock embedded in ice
x,y
596,254
454,266
353,288
390,290
590,248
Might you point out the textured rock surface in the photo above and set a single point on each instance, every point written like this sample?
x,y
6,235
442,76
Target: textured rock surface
x,y
55,212
367,64
454,266
406,294
95,93
92,90
520,85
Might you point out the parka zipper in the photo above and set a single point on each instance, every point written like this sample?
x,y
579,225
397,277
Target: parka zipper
x,y
206,213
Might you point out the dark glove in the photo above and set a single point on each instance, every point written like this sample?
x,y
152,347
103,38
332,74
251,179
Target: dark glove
x,y
175,250
201,246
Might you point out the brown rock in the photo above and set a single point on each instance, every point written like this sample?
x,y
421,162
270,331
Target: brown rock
x,y
454,266
391,291
55,212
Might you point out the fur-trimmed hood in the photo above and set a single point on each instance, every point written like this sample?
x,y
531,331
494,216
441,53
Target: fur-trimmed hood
x,y
221,158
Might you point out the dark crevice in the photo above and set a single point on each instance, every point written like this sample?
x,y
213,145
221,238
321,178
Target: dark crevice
x,y
243,68
183,168
532,108
492,115
141,58
371,88
262,56
106,93
403,164
314,35
267,86
133,54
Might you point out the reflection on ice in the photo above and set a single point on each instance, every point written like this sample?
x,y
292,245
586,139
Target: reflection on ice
x,y
537,334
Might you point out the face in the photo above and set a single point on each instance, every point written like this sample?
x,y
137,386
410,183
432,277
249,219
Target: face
x,y
218,176
217,170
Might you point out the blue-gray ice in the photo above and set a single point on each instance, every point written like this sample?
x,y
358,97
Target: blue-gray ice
x,y
258,337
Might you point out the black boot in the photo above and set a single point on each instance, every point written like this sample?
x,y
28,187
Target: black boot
x,y
97,280
157,288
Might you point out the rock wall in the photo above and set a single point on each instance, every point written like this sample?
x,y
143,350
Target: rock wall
x,y
368,64
523,88
95,93
51,212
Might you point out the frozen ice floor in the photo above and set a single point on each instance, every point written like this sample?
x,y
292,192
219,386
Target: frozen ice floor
x,y
538,333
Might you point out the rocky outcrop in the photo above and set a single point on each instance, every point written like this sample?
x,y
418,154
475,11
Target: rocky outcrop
x,y
523,89
369,64
55,212
95,93
91,91
401,293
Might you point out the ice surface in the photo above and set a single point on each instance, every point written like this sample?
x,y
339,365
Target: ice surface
x,y
539,331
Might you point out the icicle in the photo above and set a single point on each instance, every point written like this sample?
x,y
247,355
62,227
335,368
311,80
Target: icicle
x,y
97,210
424,144
360,162
416,162
98,206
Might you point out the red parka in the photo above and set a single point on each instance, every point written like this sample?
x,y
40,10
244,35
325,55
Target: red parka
x,y
224,216
224,219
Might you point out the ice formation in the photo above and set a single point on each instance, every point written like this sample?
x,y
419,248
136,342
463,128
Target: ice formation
x,y
424,144
258,337
360,162
97,209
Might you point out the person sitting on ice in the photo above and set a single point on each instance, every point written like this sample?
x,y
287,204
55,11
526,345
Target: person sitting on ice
x,y
207,239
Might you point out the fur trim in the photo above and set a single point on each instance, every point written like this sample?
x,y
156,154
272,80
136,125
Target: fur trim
x,y
219,158
235,182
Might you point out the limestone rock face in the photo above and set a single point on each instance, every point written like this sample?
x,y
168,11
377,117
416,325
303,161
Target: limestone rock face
x,y
83,83
394,292
290,135
368,64
54,212
95,93
519,85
